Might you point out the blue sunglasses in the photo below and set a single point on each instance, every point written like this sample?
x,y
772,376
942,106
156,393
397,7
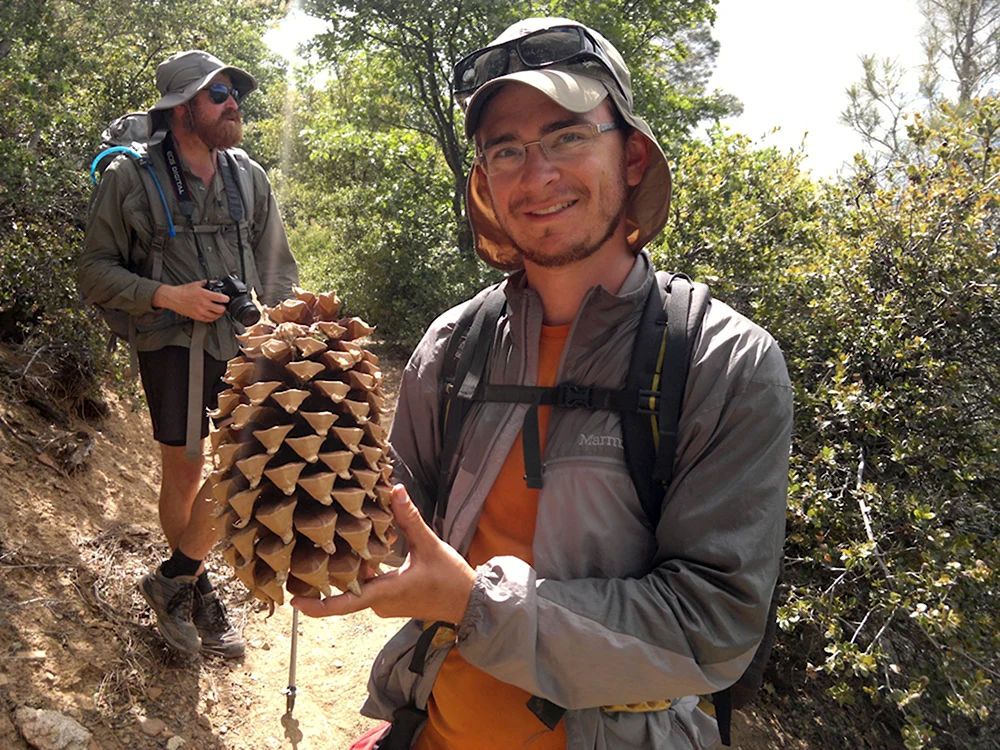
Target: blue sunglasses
x,y
219,92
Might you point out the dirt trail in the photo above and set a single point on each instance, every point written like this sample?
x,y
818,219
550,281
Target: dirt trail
x,y
75,637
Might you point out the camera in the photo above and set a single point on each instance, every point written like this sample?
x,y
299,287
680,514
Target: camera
x,y
240,306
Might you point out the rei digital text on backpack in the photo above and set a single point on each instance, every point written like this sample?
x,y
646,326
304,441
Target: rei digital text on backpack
x,y
650,405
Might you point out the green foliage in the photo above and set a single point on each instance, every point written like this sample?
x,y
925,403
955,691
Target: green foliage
x,y
961,41
369,212
886,302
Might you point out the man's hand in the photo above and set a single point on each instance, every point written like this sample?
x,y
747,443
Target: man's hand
x,y
191,300
433,583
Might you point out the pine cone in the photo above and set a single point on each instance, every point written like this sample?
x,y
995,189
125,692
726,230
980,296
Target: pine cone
x,y
302,475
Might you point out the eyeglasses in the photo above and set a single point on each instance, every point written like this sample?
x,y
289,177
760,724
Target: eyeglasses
x,y
559,145
219,92
559,44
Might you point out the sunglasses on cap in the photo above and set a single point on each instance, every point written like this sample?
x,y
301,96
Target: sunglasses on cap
x,y
219,92
541,49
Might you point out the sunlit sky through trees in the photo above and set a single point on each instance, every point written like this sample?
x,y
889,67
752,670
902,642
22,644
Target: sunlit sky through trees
x,y
788,61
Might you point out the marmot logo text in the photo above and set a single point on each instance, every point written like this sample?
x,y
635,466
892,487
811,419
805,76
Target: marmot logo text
x,y
596,441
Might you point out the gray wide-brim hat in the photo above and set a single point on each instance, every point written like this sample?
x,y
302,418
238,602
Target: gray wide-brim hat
x,y
184,74
577,87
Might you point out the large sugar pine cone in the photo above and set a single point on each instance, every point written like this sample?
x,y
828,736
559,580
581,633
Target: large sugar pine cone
x,y
302,476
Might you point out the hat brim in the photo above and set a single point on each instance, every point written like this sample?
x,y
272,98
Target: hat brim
x,y
649,202
573,92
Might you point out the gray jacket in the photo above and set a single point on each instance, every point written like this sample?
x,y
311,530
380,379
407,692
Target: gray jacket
x,y
613,612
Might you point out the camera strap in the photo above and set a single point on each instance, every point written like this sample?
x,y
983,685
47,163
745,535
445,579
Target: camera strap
x,y
196,352
183,194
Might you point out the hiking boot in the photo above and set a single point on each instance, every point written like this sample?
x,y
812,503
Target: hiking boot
x,y
218,636
172,599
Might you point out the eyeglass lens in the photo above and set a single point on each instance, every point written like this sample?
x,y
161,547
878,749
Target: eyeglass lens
x,y
563,144
489,65
553,46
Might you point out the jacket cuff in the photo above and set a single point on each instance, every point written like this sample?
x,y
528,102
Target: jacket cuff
x,y
144,290
475,612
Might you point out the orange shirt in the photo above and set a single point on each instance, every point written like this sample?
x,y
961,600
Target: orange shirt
x,y
468,709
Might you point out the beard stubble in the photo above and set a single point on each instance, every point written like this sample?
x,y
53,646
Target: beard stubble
x,y
611,217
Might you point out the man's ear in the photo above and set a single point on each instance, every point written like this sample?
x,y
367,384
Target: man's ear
x,y
178,117
636,157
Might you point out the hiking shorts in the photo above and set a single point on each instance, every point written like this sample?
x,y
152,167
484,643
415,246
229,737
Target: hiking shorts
x,y
164,375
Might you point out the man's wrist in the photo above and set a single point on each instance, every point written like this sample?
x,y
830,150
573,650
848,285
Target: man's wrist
x,y
462,604
161,297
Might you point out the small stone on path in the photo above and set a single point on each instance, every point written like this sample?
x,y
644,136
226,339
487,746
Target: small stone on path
x,y
50,730
152,727
175,742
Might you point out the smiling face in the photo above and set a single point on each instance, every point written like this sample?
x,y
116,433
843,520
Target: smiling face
x,y
560,212
218,125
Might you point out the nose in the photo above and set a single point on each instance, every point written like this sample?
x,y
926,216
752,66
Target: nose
x,y
230,103
538,168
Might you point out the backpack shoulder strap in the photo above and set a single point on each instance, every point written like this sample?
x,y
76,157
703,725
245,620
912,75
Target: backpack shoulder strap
x,y
686,304
238,179
163,227
461,376
658,372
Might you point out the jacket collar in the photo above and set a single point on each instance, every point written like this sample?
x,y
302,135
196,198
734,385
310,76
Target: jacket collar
x,y
599,308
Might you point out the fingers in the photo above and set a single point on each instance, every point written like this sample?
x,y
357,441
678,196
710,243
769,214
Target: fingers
x,y
408,518
342,604
345,604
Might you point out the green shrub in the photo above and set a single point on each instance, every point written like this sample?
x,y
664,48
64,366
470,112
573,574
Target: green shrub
x,y
886,304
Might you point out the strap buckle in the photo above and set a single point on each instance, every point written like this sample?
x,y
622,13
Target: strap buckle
x,y
574,396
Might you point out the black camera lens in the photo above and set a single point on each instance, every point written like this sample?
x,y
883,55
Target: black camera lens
x,y
241,307
243,310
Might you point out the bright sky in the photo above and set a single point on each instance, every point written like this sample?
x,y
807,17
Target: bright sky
x,y
788,61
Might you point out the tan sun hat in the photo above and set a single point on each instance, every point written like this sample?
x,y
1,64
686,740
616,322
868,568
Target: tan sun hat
x,y
578,85
184,74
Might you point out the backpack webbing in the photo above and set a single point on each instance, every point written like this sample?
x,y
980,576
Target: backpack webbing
x,y
650,415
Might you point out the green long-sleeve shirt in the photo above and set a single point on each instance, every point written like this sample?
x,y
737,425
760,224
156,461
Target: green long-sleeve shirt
x,y
119,238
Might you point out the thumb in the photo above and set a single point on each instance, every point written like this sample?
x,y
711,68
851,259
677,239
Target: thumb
x,y
408,518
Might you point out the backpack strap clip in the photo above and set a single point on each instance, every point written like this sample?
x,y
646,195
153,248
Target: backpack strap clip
x,y
574,396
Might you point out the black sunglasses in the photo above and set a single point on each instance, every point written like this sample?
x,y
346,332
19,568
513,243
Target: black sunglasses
x,y
559,44
219,92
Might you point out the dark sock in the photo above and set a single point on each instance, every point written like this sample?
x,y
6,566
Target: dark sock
x,y
204,585
179,564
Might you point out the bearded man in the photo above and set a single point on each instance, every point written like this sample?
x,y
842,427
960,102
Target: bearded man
x,y
218,221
